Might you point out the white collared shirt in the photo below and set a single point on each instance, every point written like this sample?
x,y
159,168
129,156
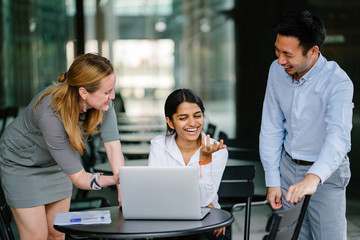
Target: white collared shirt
x,y
165,152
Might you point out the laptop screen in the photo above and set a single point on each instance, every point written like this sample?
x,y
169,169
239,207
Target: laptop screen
x,y
153,192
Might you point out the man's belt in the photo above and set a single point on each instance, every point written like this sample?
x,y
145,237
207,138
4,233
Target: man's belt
x,y
299,162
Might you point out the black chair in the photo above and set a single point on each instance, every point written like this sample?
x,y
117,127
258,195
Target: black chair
x,y
5,114
211,128
239,143
237,187
88,203
89,158
6,232
285,224
119,103
243,154
240,148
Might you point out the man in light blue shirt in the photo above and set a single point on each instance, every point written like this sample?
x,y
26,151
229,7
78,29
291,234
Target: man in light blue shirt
x,y
305,128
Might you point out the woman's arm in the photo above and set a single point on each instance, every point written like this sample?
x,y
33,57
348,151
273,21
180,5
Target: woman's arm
x,y
82,180
116,160
212,161
115,155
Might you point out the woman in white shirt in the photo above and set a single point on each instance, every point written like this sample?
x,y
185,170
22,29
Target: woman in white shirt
x,y
185,144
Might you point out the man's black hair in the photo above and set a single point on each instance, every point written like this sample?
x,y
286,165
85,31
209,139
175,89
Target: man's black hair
x,y
307,27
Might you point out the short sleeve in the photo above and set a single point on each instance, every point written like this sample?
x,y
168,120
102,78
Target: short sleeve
x,y
108,129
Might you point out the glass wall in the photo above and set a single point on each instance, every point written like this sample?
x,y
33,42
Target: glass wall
x,y
33,40
157,46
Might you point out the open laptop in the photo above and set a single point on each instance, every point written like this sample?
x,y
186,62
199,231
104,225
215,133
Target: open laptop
x,y
152,192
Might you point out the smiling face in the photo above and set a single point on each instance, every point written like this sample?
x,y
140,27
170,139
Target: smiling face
x,y
188,122
290,56
100,98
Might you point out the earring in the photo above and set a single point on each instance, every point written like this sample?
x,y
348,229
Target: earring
x,y
84,106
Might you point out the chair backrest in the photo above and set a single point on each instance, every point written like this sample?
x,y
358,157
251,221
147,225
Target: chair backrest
x,y
88,203
237,186
285,224
5,114
5,218
119,103
211,128
241,148
223,136
244,154
239,173
240,143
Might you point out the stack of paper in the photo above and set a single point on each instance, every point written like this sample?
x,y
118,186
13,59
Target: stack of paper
x,y
84,217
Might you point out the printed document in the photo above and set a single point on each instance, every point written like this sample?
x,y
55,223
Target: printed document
x,y
84,217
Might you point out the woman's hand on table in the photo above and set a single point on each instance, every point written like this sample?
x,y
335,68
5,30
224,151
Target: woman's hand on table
x,y
218,231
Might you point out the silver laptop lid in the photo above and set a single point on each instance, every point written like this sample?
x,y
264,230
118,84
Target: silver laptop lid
x,y
152,192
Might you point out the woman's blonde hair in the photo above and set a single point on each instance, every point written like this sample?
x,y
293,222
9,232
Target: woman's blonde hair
x,y
86,71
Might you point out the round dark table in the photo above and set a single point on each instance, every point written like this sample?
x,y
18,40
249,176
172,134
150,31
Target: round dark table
x,y
119,228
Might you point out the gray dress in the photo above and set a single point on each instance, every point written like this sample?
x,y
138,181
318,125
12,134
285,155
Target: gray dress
x,y
36,155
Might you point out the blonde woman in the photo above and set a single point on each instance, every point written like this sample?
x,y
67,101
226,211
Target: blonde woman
x,y
41,148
